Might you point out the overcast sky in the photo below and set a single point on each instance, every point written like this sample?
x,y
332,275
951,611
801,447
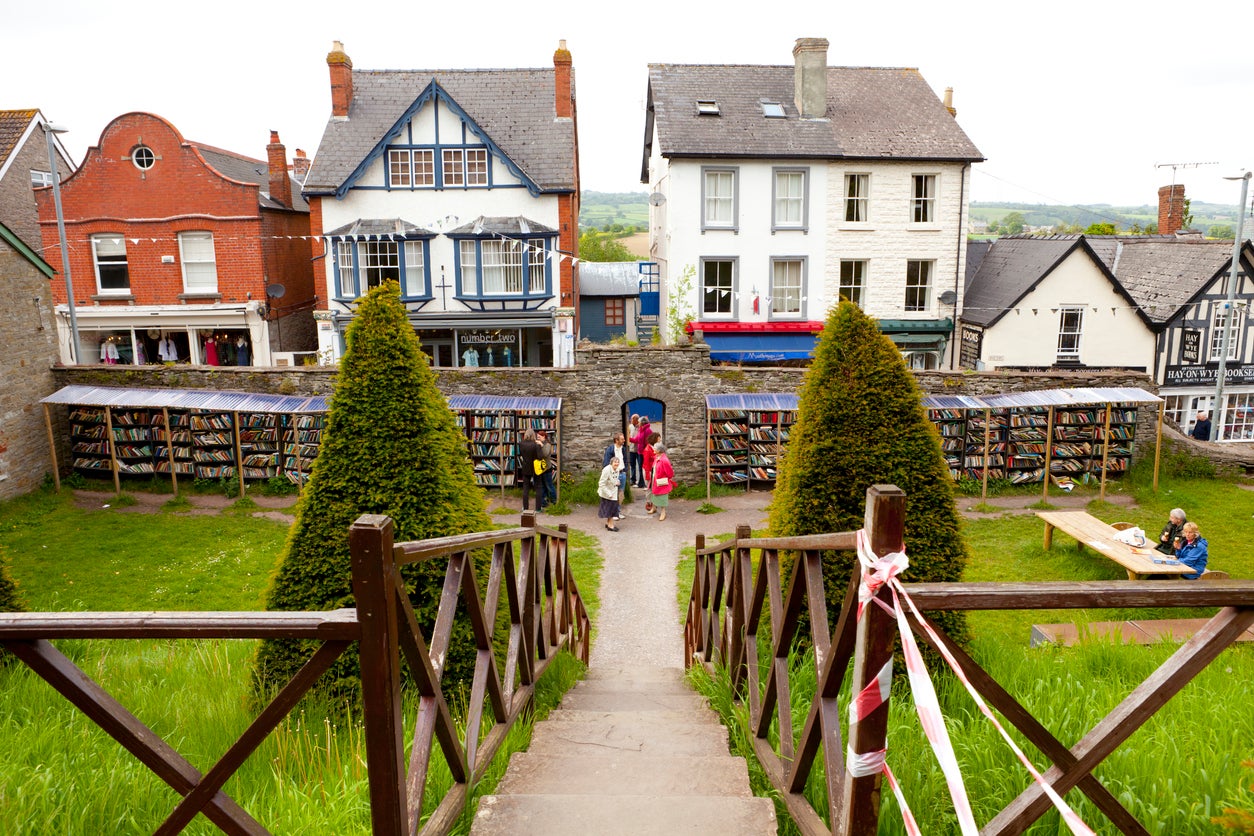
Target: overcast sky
x,y
1070,103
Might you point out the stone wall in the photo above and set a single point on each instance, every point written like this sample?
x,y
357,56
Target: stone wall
x,y
603,380
27,351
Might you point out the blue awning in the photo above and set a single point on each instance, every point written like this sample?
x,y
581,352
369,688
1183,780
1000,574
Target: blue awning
x,y
760,348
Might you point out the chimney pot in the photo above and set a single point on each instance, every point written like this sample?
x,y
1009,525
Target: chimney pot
x,y
1170,209
300,165
949,101
341,68
810,77
563,90
280,183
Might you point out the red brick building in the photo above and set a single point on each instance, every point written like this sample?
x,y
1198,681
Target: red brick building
x,y
181,251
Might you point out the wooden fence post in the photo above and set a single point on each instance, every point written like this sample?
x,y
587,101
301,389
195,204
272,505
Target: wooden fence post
x,y
860,798
370,544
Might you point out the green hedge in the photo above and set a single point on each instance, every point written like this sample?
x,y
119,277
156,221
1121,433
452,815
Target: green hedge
x,y
390,446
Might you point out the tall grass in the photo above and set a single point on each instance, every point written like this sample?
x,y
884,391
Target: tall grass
x,y
61,774
1174,774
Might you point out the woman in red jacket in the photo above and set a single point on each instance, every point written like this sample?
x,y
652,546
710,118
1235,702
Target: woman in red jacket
x,y
648,455
640,437
663,479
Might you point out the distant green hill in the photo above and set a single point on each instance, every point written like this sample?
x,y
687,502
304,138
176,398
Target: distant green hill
x,y
600,210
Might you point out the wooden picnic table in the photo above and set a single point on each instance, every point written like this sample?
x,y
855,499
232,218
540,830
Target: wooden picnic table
x,y
1088,530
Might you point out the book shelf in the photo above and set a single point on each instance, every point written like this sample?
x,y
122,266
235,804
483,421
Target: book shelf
x,y
746,436
494,426
170,436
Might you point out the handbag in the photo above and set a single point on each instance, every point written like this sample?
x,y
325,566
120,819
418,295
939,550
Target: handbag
x,y
540,465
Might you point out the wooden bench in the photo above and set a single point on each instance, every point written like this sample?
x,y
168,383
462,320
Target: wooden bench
x,y
1090,531
1150,631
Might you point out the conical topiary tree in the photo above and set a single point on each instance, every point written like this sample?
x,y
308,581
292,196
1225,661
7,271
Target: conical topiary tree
x,y
861,422
390,446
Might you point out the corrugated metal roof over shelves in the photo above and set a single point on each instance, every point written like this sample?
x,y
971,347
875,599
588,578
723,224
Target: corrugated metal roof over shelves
x,y
1043,397
496,403
203,399
757,401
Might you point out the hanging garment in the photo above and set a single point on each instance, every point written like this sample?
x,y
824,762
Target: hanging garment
x,y
110,352
140,357
211,352
167,351
242,353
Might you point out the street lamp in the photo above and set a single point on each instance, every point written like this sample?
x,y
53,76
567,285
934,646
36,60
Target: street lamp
x,y
1216,412
49,130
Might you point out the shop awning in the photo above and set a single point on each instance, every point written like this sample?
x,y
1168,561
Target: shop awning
x,y
207,399
760,348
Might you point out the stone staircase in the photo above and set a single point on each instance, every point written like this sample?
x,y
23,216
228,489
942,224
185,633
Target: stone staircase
x,y
628,752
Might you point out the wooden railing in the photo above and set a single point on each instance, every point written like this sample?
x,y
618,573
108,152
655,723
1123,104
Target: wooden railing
x,y
545,611
729,600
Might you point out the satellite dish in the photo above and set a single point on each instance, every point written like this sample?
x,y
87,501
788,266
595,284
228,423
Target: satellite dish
x,y
275,291
657,198
948,297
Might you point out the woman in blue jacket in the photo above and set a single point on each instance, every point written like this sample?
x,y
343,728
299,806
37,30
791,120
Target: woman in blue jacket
x,y
1192,551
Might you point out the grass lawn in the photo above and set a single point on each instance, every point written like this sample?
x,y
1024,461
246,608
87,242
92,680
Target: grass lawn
x,y
63,775
1174,774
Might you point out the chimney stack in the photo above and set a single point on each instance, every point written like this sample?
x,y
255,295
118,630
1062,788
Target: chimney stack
x,y
300,166
564,104
810,77
1170,209
949,101
341,67
280,183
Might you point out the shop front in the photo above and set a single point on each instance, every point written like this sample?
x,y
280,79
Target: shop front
x,y
470,341
226,335
1190,389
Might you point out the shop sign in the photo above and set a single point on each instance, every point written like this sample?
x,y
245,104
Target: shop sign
x,y
1190,345
488,348
970,345
1207,375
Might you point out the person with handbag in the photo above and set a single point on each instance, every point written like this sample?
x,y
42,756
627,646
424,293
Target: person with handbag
x,y
647,456
528,452
546,466
641,435
663,480
618,450
607,489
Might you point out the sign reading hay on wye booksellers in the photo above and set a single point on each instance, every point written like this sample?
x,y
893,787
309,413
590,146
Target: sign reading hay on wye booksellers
x,y
1190,345
971,343
1205,375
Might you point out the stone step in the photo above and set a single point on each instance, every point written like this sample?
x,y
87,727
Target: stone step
x,y
658,674
631,685
624,815
644,738
632,701
634,774
685,716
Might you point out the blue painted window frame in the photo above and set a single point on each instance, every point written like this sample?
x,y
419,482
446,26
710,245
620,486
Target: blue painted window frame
x,y
411,290
527,294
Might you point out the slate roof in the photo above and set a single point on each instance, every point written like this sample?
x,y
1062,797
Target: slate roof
x,y
511,226
872,113
1164,274
13,124
1010,268
379,226
609,278
515,108
248,170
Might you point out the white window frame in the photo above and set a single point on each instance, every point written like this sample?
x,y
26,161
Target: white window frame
x,y
1238,417
857,197
345,257
112,240
789,210
730,291
1218,319
724,179
788,298
503,267
853,286
923,191
453,167
39,179
918,296
377,261
469,263
477,166
200,274
1070,333
415,278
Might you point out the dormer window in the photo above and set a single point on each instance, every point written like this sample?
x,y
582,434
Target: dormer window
x,y
707,107
772,110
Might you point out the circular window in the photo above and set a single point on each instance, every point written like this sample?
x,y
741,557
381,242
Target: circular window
x,y
143,158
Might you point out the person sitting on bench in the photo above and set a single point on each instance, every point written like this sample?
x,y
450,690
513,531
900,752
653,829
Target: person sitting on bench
x,y
1192,551
1171,537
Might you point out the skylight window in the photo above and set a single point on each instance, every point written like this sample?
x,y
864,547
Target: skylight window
x,y
772,110
707,107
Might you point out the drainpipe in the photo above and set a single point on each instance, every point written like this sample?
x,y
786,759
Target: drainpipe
x,y
962,191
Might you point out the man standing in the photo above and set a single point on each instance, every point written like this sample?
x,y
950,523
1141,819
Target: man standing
x,y
1201,430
